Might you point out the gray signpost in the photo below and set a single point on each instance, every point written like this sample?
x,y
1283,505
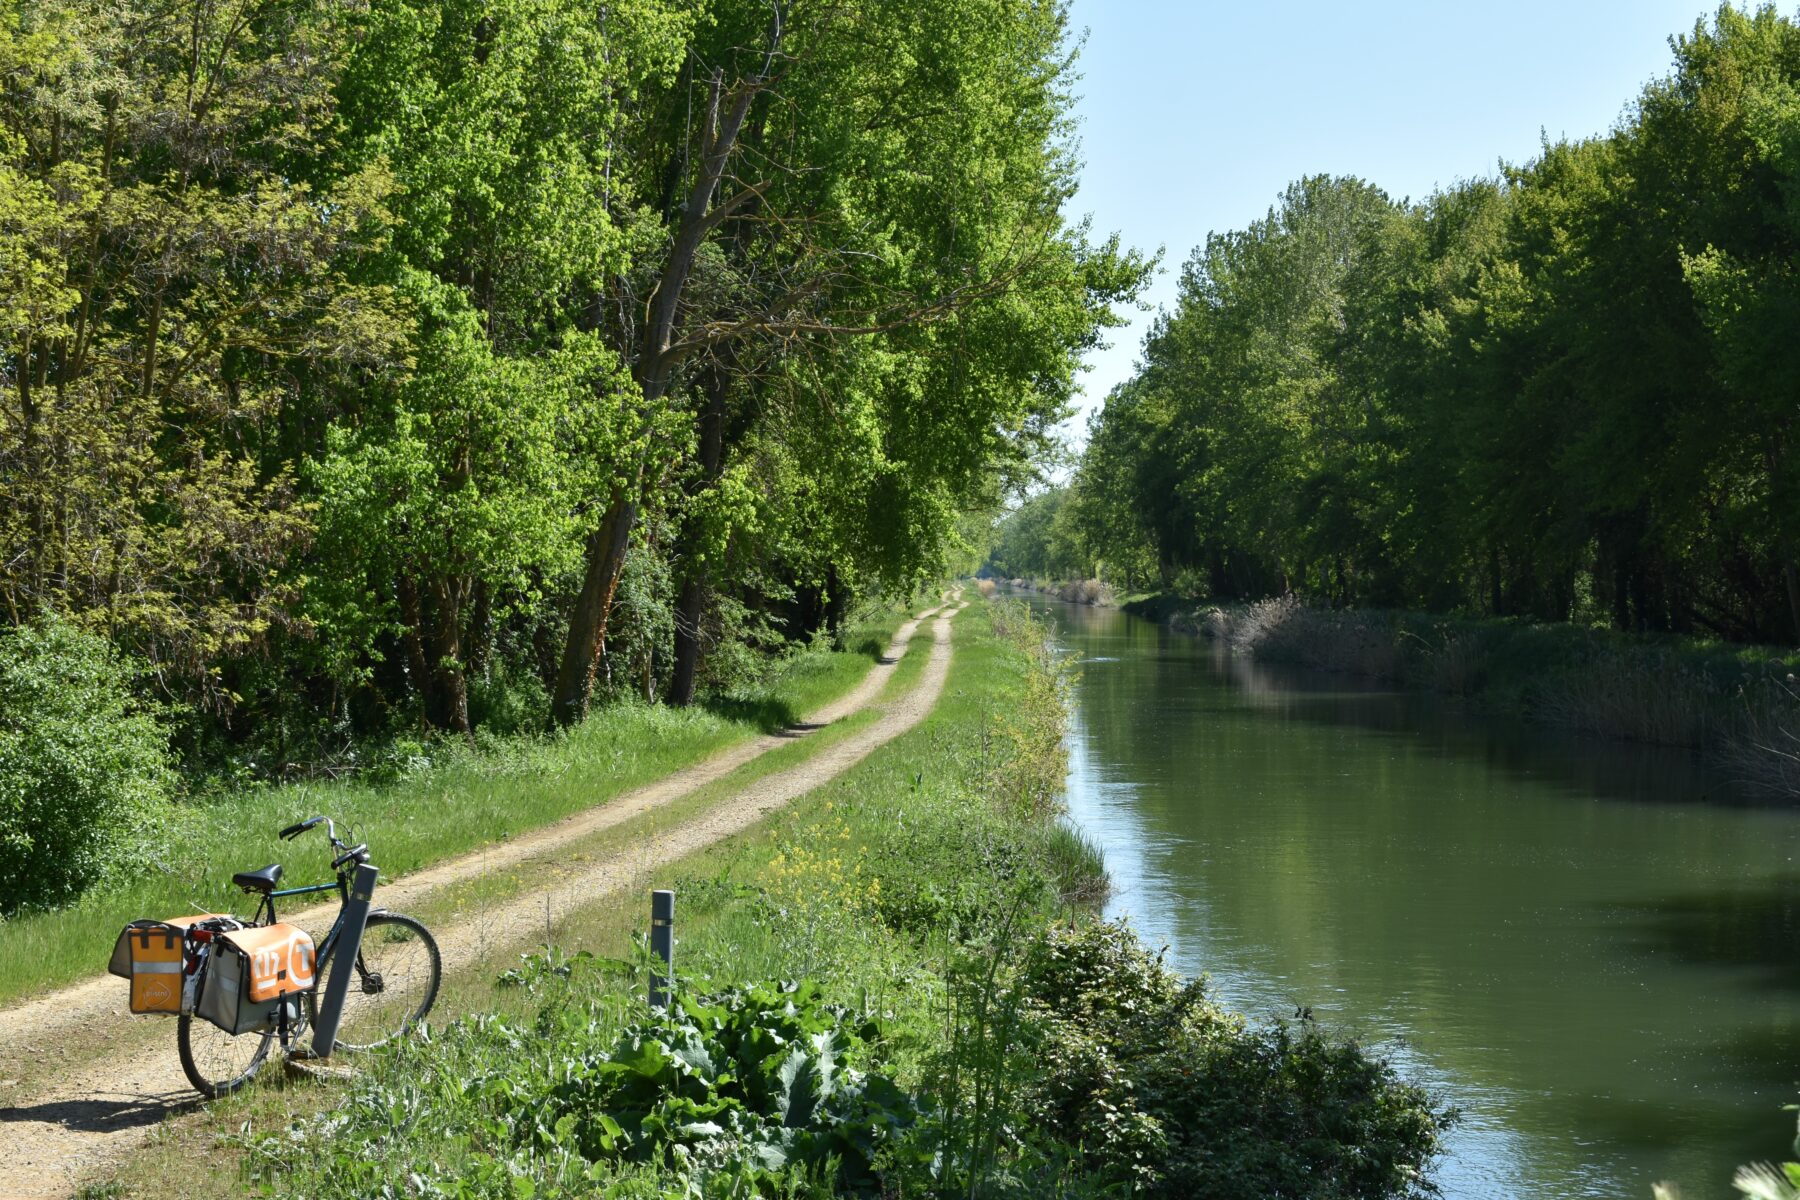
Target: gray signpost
x,y
343,961
662,944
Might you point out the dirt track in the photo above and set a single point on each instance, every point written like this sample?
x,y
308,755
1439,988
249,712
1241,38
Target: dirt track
x,y
84,1082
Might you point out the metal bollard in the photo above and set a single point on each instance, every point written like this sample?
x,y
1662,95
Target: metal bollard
x,y
343,961
662,944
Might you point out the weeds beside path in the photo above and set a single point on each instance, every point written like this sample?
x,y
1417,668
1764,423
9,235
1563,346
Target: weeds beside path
x,y
89,1081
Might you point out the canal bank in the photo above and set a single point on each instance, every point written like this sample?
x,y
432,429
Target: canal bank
x,y
1575,941
1736,704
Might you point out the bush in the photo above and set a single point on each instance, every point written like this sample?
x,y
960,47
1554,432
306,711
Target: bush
x,y
84,768
508,700
1170,1095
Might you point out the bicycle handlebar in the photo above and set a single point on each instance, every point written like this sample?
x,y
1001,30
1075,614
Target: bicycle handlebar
x,y
358,853
294,831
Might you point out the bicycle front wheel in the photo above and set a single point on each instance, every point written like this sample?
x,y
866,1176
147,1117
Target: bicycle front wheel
x,y
398,970
219,1063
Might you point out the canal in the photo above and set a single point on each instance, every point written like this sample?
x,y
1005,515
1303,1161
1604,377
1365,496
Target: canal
x,y
1592,949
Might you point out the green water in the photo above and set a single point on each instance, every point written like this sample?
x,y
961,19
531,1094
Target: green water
x,y
1592,949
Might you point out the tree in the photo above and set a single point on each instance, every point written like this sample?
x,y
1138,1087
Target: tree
x,y
458,490
860,173
353,354
1731,117
462,491
171,284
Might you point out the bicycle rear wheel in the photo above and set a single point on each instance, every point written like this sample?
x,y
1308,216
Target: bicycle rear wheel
x,y
398,970
219,1063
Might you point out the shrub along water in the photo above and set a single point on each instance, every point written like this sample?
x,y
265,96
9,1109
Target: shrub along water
x,y
1162,1089
949,1021
1738,704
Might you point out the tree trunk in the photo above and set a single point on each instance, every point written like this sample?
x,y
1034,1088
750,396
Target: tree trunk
x,y
417,662
449,706
837,603
606,548
481,629
607,544
690,610
1621,597
690,606
1791,577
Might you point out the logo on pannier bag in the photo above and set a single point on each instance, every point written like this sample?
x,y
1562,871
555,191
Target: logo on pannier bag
x,y
290,960
157,992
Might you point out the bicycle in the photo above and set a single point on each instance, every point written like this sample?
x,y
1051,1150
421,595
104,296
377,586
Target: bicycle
x,y
398,971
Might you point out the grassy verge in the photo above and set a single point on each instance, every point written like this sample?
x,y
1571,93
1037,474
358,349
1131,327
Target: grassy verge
x,y
951,1022
434,811
1740,705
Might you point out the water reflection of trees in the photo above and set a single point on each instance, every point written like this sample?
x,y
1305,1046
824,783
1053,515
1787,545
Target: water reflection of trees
x,y
1574,963
1587,766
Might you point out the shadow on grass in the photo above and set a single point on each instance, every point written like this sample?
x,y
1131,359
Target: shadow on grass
x,y
764,712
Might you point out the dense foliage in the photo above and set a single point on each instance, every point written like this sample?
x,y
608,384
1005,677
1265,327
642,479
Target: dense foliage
x,y
84,771
1168,1093
1566,392
380,365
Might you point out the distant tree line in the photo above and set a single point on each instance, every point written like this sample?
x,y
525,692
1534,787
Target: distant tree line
x,y
1569,392
370,364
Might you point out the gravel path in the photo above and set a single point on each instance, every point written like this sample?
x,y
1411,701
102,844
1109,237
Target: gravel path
x,y
82,1082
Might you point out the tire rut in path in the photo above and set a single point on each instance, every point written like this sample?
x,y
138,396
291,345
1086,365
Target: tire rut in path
x,y
90,1115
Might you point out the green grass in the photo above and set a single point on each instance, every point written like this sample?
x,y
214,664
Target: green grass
x,y
472,799
911,815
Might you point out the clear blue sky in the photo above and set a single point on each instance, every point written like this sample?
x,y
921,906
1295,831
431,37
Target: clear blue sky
x,y
1195,115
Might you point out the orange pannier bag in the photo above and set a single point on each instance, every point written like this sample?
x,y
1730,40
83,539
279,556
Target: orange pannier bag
x,y
151,954
249,972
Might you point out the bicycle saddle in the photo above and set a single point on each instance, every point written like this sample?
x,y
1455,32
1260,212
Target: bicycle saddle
x,y
259,881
